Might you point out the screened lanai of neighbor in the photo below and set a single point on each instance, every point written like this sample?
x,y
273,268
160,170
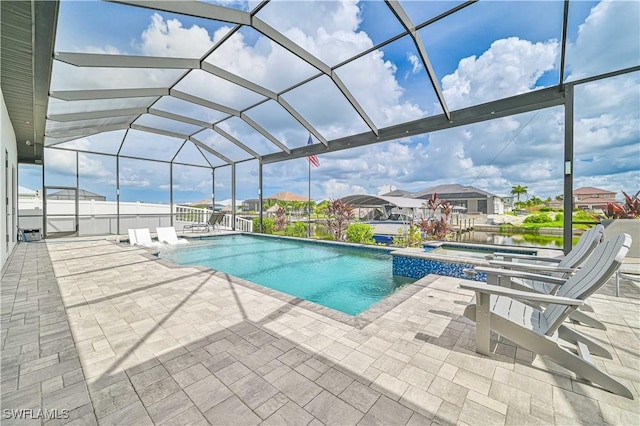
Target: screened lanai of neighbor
x,y
125,98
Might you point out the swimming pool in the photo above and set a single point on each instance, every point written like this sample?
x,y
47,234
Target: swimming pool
x,y
343,278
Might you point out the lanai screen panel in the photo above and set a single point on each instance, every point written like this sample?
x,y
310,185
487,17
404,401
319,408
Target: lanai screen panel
x,y
330,31
139,144
112,28
396,100
258,59
483,52
102,143
590,51
321,102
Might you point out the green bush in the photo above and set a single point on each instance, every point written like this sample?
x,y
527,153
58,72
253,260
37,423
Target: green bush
x,y
295,229
545,209
538,218
559,217
268,225
360,233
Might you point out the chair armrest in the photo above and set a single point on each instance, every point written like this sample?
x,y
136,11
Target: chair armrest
x,y
523,257
531,267
518,294
520,274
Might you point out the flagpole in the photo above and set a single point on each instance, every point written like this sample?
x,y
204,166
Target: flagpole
x,y
309,204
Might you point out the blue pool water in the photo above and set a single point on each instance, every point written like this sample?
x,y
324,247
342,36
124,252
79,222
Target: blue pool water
x,y
346,279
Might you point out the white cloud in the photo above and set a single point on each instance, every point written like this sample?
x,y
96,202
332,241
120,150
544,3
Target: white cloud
x,y
64,162
509,67
129,177
170,38
416,65
335,189
608,39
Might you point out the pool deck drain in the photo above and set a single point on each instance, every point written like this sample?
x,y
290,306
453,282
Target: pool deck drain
x,y
106,334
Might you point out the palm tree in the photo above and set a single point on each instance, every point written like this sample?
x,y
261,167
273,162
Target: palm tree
x,y
518,190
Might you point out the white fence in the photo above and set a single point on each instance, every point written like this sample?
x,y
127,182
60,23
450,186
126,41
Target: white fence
x,y
101,217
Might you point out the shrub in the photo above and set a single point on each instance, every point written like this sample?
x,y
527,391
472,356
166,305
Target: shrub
x,y
267,225
559,217
360,233
545,209
538,218
408,237
295,229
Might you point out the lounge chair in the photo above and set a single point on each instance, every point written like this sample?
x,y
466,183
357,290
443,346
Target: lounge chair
x,y
502,310
215,220
510,275
132,237
168,235
143,238
561,266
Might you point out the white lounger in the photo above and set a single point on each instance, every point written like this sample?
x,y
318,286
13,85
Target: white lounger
x,y
168,235
142,237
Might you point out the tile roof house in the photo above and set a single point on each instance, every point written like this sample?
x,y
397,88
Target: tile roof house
x,y
590,198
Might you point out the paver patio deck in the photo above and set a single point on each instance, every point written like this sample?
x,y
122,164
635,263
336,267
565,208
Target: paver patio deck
x,y
106,334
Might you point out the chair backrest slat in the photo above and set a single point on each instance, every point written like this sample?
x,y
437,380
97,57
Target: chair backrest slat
x,y
586,244
595,272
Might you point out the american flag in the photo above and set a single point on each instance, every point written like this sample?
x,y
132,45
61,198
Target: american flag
x,y
313,159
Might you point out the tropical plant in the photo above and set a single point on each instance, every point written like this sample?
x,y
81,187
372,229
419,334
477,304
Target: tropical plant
x,y
361,233
630,209
295,229
434,227
281,218
339,215
518,190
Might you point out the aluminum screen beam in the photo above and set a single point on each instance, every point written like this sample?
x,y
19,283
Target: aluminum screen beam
x,y
302,121
91,115
264,133
159,131
194,8
203,102
181,118
87,131
92,60
226,75
406,22
519,104
89,95
211,151
236,142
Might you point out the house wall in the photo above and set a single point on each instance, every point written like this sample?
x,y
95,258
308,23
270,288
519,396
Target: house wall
x,y
9,186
